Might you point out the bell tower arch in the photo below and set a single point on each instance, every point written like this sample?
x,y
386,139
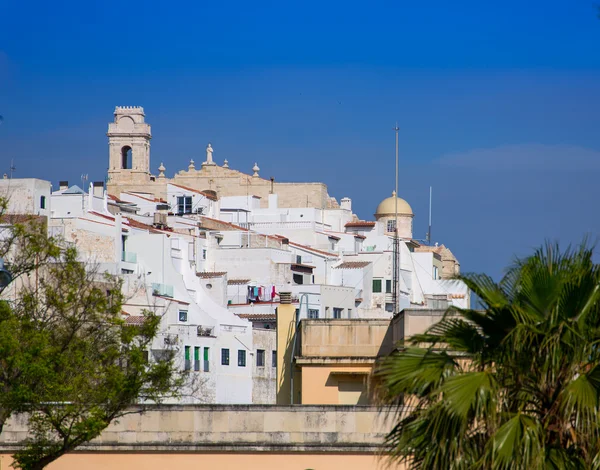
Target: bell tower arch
x,y
129,147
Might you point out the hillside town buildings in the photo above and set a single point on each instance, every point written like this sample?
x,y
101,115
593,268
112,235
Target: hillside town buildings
x,y
220,254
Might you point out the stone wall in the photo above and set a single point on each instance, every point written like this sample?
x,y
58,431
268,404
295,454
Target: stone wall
x,y
367,337
264,377
233,428
225,182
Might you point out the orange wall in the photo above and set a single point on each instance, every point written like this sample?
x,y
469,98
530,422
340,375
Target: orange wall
x,y
300,461
320,387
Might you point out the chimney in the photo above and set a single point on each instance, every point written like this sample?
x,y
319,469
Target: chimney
x,y
63,185
273,201
285,297
346,203
98,189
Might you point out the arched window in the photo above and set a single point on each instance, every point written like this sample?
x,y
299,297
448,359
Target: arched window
x,y
126,157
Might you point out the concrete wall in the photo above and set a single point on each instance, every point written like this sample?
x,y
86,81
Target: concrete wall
x,y
343,338
223,437
225,461
332,384
264,378
25,195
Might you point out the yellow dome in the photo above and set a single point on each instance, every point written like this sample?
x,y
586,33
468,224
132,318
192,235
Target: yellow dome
x,y
387,207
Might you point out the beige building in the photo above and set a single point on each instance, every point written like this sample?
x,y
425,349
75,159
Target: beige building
x,y
330,361
130,170
249,437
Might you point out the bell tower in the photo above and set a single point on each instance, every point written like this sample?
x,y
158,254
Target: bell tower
x,y
129,147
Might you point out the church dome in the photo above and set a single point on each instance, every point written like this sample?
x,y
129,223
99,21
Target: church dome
x,y
387,207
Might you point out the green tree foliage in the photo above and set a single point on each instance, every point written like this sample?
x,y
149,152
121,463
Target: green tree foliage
x,y
515,386
67,359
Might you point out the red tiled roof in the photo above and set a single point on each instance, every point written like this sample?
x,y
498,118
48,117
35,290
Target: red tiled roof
x,y
257,316
211,275
352,265
330,235
308,248
187,188
136,224
359,236
143,197
125,229
361,223
182,302
135,320
237,282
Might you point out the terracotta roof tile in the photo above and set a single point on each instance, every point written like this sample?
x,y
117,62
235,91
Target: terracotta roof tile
x,y
361,223
258,316
187,188
314,250
237,282
352,265
135,320
211,275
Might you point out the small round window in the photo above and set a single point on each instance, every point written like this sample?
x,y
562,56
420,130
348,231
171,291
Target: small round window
x,y
209,286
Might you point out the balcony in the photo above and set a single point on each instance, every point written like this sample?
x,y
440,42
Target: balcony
x,y
204,331
129,257
164,290
345,338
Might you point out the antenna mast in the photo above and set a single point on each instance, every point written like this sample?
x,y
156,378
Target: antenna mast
x,y
396,249
429,230
84,178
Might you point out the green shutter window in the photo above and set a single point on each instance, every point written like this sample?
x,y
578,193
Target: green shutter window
x,y
197,353
206,361
388,286
376,285
187,353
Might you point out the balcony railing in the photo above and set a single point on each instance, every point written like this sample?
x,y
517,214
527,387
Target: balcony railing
x,y
165,290
204,331
129,257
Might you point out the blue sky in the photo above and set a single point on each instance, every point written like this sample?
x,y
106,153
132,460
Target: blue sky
x,y
498,103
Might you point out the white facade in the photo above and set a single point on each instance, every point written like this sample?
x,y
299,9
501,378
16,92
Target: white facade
x,y
26,196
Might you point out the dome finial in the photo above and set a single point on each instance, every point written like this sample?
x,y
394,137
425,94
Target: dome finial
x,y
394,193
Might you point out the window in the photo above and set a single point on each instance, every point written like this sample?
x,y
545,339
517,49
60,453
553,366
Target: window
x,y
376,285
206,359
188,362
274,358
42,202
241,358
298,279
337,312
197,358
260,358
435,272
298,259
203,254
182,315
389,307
126,158
313,313
391,225
184,204
349,313
224,357
388,286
